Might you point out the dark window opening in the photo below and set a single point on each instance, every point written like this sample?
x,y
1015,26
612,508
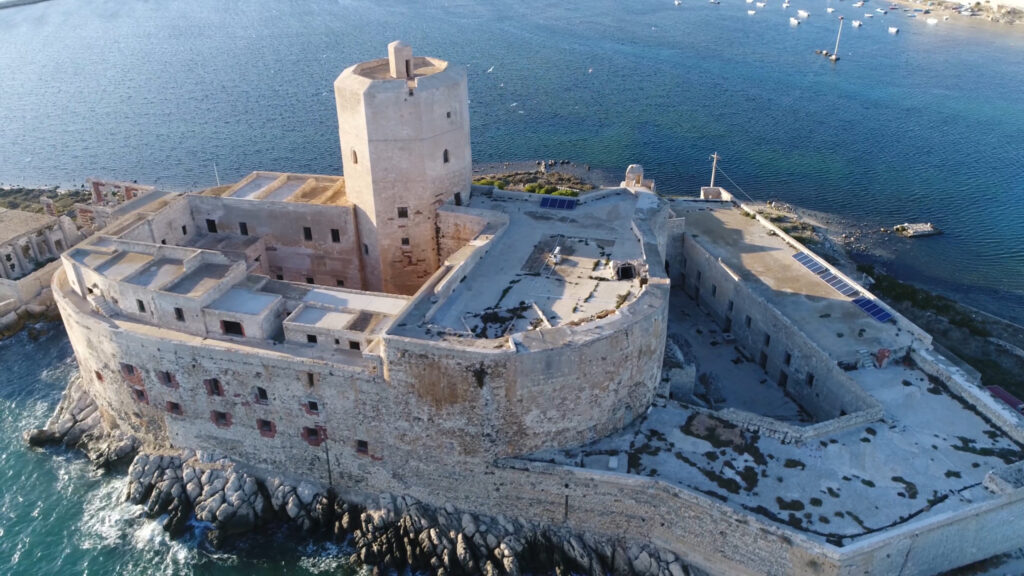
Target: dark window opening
x,y
179,314
747,321
127,370
810,380
167,379
767,340
243,228
313,436
220,419
311,338
448,114
788,358
408,68
339,283
141,305
335,235
714,290
353,345
445,156
213,387
458,198
355,157
140,395
280,276
313,406
232,328
625,272
310,379
184,230
403,212
307,233
309,279
211,226
405,241
762,361
163,241
366,249
337,341
174,408
267,428
362,447
261,395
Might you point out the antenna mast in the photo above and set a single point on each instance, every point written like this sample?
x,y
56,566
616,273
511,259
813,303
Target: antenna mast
x,y
714,167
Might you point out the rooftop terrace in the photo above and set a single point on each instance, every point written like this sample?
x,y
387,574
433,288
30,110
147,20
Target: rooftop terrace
x,y
14,223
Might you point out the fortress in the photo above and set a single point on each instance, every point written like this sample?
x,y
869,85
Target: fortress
x,y
400,330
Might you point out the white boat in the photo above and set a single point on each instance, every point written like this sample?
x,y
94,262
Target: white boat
x,y
750,1
894,30
785,4
932,21
868,15
830,10
858,4
880,11
793,21
802,13
678,2
751,12
857,23
759,4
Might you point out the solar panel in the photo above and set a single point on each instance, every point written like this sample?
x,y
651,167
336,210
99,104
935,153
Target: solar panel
x,y
873,310
558,203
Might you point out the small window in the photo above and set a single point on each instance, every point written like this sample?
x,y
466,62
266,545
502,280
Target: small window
x,y
700,275
127,370
213,387
458,198
405,241
747,321
309,279
767,340
261,395
787,359
366,248
337,341
311,338
163,241
267,428
141,305
280,276
220,419
403,212
140,395
730,305
355,157
307,233
310,379
179,314
173,408
448,114
312,406
445,156
211,226
335,235
243,228
313,436
362,447
810,380
167,379
184,230
339,283
353,345
232,328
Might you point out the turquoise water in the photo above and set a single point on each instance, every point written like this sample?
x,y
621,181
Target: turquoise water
x,y
925,125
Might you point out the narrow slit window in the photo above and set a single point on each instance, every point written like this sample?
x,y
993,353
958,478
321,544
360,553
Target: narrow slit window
x,y
179,314
211,226
307,233
445,156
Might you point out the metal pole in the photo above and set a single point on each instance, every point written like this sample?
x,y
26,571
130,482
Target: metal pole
x,y
836,51
714,168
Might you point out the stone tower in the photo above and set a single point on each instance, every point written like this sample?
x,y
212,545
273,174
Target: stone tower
x,y
403,122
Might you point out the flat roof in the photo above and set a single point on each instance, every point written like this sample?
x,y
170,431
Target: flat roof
x,y
284,191
158,273
388,304
323,319
199,281
766,264
121,264
254,186
242,301
87,257
14,223
380,69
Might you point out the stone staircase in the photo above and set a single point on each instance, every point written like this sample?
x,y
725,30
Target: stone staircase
x,y
103,306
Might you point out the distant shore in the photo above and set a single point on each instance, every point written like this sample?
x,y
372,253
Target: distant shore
x,y
984,12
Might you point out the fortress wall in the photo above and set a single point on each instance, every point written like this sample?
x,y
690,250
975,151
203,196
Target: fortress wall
x,y
565,386
24,289
173,224
962,385
288,252
457,225
811,376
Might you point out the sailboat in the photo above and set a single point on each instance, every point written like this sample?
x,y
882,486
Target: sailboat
x,y
835,53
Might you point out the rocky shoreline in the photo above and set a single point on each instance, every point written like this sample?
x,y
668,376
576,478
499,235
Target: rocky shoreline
x,y
186,489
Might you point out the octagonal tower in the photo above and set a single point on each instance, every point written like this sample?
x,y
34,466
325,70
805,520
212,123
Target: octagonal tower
x,y
403,123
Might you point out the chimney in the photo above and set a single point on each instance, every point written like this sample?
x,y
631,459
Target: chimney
x,y
400,59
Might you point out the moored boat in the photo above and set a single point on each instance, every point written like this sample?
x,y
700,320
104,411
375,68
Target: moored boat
x,y
894,30
857,23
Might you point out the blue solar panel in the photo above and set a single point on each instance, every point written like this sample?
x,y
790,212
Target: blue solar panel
x,y
873,310
558,203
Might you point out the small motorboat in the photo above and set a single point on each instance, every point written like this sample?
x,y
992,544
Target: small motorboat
x,y
858,4
932,21
751,12
894,30
880,11
803,13
830,10
678,2
785,4
793,21
759,4
868,15
857,23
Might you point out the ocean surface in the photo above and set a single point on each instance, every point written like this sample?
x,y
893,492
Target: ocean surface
x,y
925,125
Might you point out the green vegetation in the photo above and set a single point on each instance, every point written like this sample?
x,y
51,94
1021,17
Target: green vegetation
x,y
27,199
791,463
789,505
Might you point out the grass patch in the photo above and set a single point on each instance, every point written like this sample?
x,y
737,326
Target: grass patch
x,y
908,487
791,463
789,505
952,474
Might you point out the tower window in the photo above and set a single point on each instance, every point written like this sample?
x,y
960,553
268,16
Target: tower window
x,y
339,283
307,233
173,408
335,235
448,114
313,407
211,226
405,241
353,345
279,276
403,212
220,419
184,230
362,447
232,328
355,157
309,279
141,305
243,228
261,395
267,428
311,338
445,156
366,248
179,314
213,387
